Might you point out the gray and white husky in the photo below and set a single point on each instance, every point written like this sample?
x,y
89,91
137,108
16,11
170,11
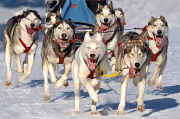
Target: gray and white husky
x,y
57,49
20,36
156,36
110,29
88,66
133,58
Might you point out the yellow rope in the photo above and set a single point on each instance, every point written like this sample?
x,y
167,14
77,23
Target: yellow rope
x,y
112,75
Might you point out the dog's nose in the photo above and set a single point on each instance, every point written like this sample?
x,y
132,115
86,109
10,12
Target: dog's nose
x,y
64,35
92,55
137,65
159,32
106,20
32,25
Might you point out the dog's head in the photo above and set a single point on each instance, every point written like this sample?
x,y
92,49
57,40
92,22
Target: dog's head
x,y
135,52
105,15
93,50
31,21
52,18
157,27
63,33
119,13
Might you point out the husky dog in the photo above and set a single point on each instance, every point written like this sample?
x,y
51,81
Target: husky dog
x,y
133,58
20,37
110,29
57,49
119,13
156,36
51,19
54,5
88,66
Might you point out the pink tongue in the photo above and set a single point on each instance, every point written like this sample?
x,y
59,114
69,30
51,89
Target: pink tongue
x,y
62,43
103,28
132,72
92,65
159,42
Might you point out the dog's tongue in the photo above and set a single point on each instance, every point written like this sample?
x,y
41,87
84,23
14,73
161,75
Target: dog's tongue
x,y
30,30
103,28
159,42
92,64
62,43
132,72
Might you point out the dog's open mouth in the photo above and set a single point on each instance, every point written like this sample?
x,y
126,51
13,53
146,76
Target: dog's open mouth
x,y
92,63
62,42
133,72
159,40
104,27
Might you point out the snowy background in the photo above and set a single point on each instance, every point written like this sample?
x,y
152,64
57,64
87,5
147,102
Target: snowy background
x,y
25,101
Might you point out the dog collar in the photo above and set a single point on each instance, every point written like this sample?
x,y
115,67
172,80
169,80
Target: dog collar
x,y
155,56
27,49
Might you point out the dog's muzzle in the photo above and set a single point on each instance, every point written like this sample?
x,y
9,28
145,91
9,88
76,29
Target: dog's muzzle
x,y
62,42
91,62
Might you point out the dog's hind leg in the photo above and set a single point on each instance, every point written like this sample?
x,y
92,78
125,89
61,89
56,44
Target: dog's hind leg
x,y
52,74
46,84
123,88
29,59
18,63
8,64
63,79
151,82
141,87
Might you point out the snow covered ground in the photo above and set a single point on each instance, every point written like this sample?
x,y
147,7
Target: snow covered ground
x,y
25,101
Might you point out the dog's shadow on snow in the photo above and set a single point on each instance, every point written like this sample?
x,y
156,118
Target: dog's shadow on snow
x,y
155,105
168,90
22,3
70,95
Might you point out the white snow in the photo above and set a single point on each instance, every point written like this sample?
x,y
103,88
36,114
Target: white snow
x,y
25,100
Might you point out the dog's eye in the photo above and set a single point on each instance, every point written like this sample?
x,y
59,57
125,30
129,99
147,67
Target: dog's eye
x,y
68,28
154,25
59,27
88,47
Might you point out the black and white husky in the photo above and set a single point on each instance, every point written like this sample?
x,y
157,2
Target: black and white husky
x,y
20,36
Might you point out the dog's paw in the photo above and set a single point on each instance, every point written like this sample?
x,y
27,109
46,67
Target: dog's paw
x,y
53,80
160,87
119,112
19,70
66,84
76,112
8,83
140,108
46,98
95,113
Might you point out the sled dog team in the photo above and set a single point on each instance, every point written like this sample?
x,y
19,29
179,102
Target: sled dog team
x,y
106,47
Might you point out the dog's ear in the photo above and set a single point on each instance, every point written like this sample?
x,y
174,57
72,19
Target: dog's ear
x,y
25,13
99,9
69,21
110,5
151,20
164,20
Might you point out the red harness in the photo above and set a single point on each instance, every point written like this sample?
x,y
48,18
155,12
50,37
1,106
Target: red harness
x,y
29,31
91,75
27,49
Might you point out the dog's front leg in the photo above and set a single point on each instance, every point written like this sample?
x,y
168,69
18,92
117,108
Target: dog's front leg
x,y
159,84
18,63
75,76
63,79
141,87
151,82
29,59
96,85
51,72
123,88
46,84
92,93
8,64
